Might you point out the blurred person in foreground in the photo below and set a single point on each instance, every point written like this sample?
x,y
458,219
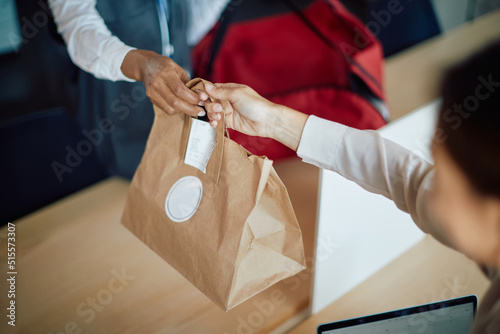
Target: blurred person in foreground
x,y
127,51
457,200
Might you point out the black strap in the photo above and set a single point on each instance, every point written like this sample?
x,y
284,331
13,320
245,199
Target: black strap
x,y
357,83
177,26
327,41
224,21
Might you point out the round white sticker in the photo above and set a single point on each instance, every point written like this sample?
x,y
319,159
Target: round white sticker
x,y
183,199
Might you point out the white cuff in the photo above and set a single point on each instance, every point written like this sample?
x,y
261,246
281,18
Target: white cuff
x,y
319,142
108,66
119,57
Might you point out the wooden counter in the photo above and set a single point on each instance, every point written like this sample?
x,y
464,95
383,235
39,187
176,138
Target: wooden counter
x,y
79,268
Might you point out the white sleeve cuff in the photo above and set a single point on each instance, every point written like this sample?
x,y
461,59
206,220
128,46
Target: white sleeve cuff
x,y
107,65
91,46
319,142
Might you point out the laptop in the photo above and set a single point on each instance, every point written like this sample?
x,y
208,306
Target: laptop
x,y
454,316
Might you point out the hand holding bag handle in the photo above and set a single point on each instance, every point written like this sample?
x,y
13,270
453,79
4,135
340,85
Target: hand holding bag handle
x,y
214,164
243,238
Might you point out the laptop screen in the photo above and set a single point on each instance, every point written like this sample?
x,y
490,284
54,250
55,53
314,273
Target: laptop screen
x,y
453,316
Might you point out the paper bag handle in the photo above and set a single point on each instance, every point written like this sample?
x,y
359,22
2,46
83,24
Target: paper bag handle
x,y
215,162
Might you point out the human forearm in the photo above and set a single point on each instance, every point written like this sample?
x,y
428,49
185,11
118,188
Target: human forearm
x,y
286,126
376,164
90,44
250,113
134,62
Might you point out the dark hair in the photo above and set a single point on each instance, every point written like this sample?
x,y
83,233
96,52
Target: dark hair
x,y
469,121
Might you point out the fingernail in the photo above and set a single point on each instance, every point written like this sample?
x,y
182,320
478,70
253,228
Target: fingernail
x,y
201,114
218,108
213,123
203,96
209,87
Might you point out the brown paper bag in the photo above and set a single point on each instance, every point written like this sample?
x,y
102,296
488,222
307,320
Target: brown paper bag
x,y
231,231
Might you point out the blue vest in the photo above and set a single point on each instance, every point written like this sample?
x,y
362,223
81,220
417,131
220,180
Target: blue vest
x,y
120,110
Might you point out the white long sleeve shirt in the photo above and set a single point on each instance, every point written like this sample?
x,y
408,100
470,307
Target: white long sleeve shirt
x,y
376,164
384,167
93,48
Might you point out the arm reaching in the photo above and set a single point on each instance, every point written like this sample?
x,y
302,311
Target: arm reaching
x,y
253,115
91,46
94,49
365,157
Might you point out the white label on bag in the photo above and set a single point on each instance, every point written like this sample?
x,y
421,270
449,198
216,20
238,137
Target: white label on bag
x,y
201,143
183,199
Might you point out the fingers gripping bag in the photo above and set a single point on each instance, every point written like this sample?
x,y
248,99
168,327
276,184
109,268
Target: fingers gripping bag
x,y
216,213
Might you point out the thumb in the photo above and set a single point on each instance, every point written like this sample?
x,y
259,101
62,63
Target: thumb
x,y
218,92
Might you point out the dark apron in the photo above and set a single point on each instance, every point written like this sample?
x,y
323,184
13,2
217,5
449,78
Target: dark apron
x,y
121,108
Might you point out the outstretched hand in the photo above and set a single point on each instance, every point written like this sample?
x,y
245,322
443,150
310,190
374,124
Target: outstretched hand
x,y
247,112
165,82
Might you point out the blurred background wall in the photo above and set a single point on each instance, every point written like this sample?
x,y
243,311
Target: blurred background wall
x,y
36,72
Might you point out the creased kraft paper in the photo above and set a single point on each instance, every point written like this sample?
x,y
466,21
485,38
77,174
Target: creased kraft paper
x,y
242,238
